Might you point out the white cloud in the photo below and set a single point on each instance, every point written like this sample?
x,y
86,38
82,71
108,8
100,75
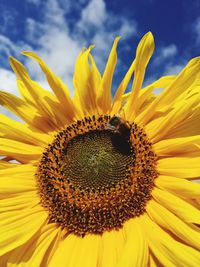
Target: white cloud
x,y
54,14
7,46
97,20
196,30
55,44
32,29
165,60
8,17
35,2
8,81
58,42
169,51
165,53
8,84
173,69
101,26
62,58
94,14
128,28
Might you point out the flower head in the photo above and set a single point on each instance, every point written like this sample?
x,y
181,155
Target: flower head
x,y
99,181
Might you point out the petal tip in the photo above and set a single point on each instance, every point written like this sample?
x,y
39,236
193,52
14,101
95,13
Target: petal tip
x,y
91,47
149,36
117,38
25,53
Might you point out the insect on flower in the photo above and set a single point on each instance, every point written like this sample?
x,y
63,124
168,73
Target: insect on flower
x,y
120,126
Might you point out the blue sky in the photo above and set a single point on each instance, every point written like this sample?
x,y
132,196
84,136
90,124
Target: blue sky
x,y
58,29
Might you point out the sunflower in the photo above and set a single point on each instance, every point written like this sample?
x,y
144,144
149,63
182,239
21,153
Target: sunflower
x,y
99,181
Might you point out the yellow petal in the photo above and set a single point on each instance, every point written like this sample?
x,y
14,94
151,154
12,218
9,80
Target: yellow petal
x,y
135,252
147,92
117,101
176,205
86,81
63,253
76,251
19,151
59,116
25,93
159,128
14,130
143,54
87,249
182,167
23,110
18,202
185,146
111,248
4,260
168,97
10,168
18,179
44,101
104,97
16,228
5,164
59,88
95,72
185,79
188,127
37,250
169,221
167,250
181,187
152,261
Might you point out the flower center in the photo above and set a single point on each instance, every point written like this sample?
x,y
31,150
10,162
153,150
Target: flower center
x,y
92,161
96,174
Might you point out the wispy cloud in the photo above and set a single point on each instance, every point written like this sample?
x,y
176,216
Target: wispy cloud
x,y
196,30
7,48
36,2
173,69
164,63
60,42
165,53
93,15
58,39
8,79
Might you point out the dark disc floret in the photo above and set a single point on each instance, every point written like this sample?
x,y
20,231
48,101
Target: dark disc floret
x,y
92,179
